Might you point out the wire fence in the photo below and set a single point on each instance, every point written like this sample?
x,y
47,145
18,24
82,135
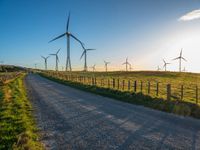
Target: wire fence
x,y
183,92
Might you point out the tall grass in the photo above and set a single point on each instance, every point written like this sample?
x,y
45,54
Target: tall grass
x,y
17,126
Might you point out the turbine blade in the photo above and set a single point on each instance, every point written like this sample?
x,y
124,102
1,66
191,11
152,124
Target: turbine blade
x,y
67,27
164,61
90,49
181,52
58,51
124,63
58,37
176,58
82,54
76,39
183,58
43,57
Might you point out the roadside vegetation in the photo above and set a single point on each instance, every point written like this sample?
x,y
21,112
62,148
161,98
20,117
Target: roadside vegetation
x,y
180,107
17,126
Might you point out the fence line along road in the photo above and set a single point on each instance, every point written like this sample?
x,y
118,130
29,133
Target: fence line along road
x,y
189,93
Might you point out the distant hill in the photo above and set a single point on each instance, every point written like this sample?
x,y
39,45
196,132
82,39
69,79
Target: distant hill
x,y
10,68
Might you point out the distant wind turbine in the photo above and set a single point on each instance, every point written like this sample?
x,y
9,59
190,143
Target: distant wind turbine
x,y
68,35
180,58
35,66
57,59
130,67
158,68
93,67
106,65
45,61
184,70
165,65
126,63
85,56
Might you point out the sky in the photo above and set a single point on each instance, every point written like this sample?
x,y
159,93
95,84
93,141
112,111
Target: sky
x,y
145,31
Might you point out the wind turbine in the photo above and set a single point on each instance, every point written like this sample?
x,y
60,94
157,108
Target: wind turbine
x,y
35,66
93,67
158,68
57,59
85,54
126,63
106,65
165,65
45,61
130,67
68,35
180,58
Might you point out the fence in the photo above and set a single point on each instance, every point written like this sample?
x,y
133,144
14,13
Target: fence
x,y
189,93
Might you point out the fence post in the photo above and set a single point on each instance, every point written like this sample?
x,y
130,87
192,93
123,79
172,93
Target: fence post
x,y
123,85
181,92
118,84
141,87
149,86
157,89
129,85
113,83
95,81
168,92
197,94
135,86
108,83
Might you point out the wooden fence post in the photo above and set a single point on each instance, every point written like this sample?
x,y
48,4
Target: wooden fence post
x,y
168,92
181,92
149,86
135,86
157,89
118,84
113,83
141,87
123,85
129,85
197,94
95,81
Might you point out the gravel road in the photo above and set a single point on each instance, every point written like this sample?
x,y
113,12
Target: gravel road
x,y
72,119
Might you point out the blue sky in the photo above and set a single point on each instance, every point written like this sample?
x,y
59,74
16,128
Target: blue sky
x,y
145,31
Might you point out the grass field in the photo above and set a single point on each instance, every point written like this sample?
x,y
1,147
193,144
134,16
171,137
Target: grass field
x,y
184,86
17,127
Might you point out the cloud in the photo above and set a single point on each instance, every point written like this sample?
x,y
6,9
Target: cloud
x,y
195,14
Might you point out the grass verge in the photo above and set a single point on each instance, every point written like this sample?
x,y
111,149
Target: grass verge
x,y
17,126
177,107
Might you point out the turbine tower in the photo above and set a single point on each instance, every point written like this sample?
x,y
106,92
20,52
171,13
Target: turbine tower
x,y
180,58
165,65
57,59
68,35
126,63
45,61
93,67
85,56
106,65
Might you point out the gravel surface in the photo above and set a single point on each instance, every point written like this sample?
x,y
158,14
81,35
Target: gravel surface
x,y
72,119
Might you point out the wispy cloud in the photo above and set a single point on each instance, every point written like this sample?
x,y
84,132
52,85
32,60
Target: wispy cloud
x,y
195,14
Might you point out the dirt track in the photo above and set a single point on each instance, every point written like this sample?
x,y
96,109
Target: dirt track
x,y
73,119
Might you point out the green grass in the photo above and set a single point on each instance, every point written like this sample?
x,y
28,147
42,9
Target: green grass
x,y
17,126
177,107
